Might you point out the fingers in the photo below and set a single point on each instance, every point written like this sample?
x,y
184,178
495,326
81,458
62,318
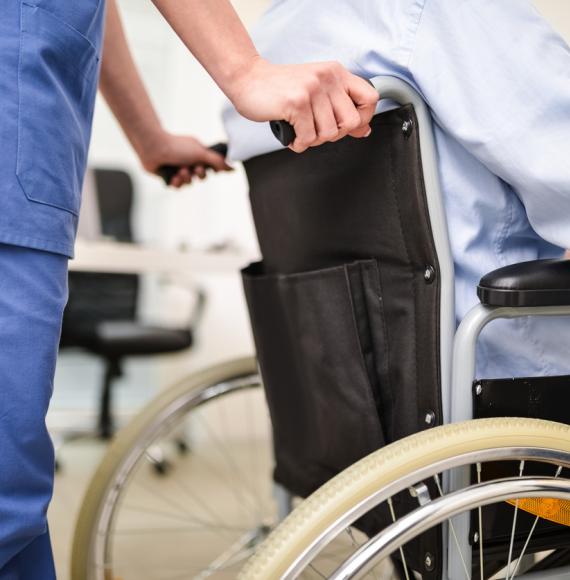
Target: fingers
x,y
199,171
332,103
217,162
361,132
362,93
176,182
182,178
346,114
205,159
365,97
303,123
185,175
326,123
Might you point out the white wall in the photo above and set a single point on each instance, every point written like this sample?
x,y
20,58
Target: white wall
x,y
558,13
188,102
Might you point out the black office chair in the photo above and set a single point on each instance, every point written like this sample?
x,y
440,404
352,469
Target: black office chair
x,y
101,314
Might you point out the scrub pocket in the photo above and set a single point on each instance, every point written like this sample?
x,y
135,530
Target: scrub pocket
x,y
321,350
58,71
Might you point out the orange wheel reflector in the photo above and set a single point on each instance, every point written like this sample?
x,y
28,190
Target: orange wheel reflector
x,y
554,510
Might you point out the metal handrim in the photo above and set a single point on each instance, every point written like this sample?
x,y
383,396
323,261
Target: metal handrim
x,y
439,510
101,545
544,455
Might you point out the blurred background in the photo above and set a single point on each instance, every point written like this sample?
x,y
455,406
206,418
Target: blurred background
x,y
190,244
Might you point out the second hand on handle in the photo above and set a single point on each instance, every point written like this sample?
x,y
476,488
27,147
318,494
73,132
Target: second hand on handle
x,y
167,172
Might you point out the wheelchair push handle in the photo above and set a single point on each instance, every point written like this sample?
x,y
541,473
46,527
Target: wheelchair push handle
x,y
285,132
167,172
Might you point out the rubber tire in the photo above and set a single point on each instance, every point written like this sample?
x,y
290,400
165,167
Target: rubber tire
x,y
382,467
85,528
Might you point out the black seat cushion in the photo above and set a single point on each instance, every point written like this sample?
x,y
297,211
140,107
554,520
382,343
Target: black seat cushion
x,y
535,283
116,339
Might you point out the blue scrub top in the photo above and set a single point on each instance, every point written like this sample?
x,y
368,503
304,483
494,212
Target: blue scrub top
x,y
49,67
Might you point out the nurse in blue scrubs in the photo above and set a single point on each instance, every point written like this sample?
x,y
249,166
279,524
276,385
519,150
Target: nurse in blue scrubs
x,y
50,63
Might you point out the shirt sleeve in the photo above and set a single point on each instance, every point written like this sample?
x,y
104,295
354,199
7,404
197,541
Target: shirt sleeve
x,y
497,78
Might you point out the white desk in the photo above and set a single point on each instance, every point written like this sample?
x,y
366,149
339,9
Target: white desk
x,y
137,259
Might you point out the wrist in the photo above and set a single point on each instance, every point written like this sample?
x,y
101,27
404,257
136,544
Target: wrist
x,y
149,143
150,146
235,77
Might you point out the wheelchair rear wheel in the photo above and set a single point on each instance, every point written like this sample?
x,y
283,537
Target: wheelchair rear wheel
x,y
423,465
204,515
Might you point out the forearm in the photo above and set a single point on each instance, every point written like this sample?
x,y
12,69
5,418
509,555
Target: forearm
x,y
322,101
214,34
123,88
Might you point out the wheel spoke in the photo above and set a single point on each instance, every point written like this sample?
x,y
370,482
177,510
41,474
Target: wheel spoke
x,y
200,503
201,527
357,545
480,516
452,528
228,558
223,478
528,538
514,526
238,474
393,515
319,574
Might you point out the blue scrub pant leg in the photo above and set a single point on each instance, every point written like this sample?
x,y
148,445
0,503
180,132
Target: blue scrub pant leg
x,y
35,562
33,292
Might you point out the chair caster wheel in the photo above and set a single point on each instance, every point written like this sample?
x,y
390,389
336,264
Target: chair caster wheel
x,y
182,447
162,467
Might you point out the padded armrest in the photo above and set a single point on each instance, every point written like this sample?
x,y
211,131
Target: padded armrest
x,y
535,283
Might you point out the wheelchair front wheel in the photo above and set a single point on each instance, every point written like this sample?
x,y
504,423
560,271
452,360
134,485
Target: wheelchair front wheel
x,y
206,514
420,464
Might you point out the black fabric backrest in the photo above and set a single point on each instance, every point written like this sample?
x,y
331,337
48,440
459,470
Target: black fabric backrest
x,y
354,200
344,316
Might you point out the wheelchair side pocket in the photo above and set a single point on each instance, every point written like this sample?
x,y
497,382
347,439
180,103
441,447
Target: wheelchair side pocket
x,y
319,343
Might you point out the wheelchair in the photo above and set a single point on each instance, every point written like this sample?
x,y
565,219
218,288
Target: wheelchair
x,y
486,494
353,317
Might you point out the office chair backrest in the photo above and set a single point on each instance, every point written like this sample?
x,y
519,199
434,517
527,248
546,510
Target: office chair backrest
x,y
115,194
96,297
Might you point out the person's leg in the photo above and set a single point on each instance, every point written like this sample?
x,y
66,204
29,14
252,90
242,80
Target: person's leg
x,y
36,558
33,291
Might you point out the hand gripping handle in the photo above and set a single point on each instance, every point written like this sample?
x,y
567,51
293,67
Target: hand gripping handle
x,y
167,172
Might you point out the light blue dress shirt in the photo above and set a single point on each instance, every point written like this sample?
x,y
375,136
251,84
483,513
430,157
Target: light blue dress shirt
x,y
497,79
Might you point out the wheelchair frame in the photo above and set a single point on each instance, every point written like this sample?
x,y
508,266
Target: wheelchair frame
x,y
457,347
457,352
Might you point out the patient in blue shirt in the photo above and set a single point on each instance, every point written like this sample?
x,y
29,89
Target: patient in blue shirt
x,y
497,79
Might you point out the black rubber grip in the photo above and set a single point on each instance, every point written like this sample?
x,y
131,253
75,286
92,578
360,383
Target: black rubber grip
x,y
283,131
167,172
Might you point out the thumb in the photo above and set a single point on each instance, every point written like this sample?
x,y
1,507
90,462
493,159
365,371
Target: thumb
x,y
362,131
364,96
215,160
